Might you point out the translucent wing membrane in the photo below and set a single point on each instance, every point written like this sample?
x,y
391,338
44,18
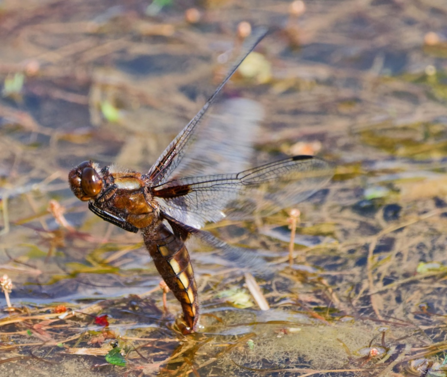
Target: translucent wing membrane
x,y
259,191
174,153
225,142
242,258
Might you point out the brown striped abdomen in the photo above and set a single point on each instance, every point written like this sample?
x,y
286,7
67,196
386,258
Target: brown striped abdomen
x,y
173,263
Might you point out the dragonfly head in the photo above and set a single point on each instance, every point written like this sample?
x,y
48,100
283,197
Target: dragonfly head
x,y
85,181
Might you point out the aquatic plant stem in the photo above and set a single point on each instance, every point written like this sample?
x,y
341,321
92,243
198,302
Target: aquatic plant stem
x,y
294,215
6,286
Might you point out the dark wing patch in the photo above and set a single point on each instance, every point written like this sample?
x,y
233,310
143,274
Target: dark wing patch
x,y
173,192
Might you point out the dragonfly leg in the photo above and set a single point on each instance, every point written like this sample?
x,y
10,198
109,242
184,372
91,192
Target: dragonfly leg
x,y
108,193
111,218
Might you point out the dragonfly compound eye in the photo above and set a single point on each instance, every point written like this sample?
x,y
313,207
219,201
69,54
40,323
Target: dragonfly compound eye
x,y
91,183
85,181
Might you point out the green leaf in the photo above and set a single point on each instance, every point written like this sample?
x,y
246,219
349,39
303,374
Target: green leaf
x,y
114,357
29,332
110,112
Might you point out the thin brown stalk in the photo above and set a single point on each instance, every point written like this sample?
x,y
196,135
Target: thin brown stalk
x,y
294,215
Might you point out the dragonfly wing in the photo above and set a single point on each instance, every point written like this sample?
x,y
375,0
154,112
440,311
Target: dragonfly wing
x,y
174,153
226,141
260,191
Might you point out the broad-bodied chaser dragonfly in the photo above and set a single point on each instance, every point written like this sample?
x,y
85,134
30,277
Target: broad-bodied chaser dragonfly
x,y
167,208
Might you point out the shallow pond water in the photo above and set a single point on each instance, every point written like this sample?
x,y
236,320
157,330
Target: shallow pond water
x,y
360,83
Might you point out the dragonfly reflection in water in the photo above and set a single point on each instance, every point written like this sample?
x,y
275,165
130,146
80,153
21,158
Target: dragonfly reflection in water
x,y
167,208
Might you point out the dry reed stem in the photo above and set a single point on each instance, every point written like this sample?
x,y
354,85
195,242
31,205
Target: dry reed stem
x,y
256,292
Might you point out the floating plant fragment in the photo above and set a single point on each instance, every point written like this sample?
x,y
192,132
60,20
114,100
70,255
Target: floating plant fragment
x,y
376,192
256,67
13,85
60,309
424,268
238,297
102,320
110,112
427,368
115,357
156,6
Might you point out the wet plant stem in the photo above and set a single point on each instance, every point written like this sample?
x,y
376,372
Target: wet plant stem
x,y
6,286
165,289
294,215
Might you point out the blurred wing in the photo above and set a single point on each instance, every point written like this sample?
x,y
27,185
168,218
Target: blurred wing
x,y
173,154
261,191
225,142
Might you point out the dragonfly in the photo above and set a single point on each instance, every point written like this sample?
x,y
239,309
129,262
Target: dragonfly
x,y
167,208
